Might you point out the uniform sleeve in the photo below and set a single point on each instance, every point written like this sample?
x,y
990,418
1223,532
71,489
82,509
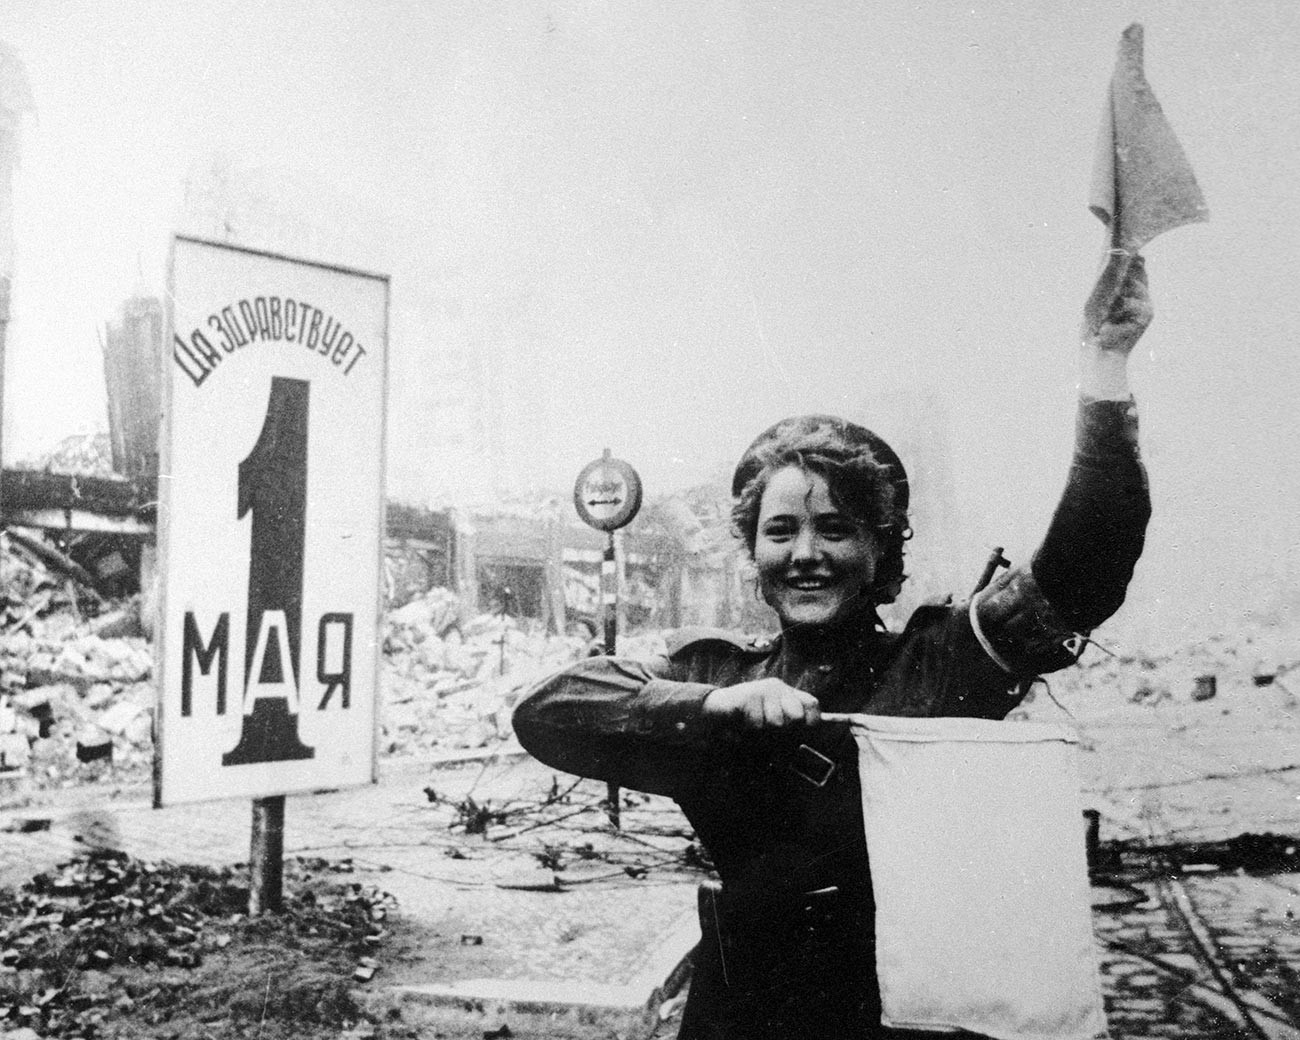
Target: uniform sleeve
x,y
1086,561
1029,617
627,722
938,668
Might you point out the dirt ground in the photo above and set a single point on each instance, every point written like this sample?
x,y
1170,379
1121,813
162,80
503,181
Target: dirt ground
x,y
108,946
111,947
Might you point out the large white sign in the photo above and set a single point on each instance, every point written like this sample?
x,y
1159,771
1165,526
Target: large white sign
x,y
270,525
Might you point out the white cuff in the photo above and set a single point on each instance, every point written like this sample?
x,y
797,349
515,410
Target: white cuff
x,y
998,659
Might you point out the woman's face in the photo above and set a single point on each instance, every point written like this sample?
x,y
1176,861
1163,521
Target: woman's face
x,y
814,561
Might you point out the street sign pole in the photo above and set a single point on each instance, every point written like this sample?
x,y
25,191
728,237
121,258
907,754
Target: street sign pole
x,y
609,595
607,495
609,603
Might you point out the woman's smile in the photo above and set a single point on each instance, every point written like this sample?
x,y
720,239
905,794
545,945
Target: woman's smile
x,y
803,584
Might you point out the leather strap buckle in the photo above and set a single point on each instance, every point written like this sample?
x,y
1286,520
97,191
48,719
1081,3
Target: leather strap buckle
x,y
812,765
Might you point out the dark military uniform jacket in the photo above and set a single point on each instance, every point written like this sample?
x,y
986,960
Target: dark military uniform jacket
x,y
787,947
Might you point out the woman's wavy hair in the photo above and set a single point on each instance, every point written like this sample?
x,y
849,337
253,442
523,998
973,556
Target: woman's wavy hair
x,y
864,476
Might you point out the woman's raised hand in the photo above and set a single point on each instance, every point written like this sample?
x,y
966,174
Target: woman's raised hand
x,y
1114,320
763,704
1116,324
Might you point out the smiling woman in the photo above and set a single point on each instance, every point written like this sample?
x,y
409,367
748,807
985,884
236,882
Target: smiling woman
x,y
861,493
814,561
740,733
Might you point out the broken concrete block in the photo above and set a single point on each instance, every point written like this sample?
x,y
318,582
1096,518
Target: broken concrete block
x,y
42,697
15,751
98,695
140,730
94,746
118,717
124,623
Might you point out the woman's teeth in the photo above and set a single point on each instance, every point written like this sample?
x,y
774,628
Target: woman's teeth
x,y
808,584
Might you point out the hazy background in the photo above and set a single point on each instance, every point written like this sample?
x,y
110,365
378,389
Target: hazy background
x,y
661,226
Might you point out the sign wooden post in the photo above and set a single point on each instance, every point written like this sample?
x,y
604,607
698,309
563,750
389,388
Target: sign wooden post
x,y
270,535
266,857
607,495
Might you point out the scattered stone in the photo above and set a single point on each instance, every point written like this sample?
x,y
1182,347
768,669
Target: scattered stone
x,y
93,747
1204,687
531,881
31,825
117,624
15,751
68,935
117,718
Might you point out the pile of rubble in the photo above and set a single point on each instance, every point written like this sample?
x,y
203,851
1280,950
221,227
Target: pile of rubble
x,y
1243,656
89,455
452,682
106,943
75,689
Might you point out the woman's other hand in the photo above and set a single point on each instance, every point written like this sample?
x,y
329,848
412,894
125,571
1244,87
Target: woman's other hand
x,y
763,704
1110,331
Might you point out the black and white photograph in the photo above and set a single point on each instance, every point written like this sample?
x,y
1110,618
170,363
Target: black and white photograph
x,y
594,520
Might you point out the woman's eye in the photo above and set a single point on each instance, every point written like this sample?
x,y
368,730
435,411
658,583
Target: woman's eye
x,y
778,532
837,530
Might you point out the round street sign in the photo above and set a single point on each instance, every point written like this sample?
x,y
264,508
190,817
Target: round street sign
x,y
607,493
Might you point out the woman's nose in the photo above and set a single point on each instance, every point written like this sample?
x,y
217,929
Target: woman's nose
x,y
805,545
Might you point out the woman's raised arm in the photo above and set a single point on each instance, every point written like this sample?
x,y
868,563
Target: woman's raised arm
x,y
1028,617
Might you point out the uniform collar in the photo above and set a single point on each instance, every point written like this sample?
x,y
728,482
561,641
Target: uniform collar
x,y
842,640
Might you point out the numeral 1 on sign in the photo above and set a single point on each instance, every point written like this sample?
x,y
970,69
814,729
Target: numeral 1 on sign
x,y
273,488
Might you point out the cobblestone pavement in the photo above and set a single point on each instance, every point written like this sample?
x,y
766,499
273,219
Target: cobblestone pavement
x,y
1203,956
1195,953
1207,951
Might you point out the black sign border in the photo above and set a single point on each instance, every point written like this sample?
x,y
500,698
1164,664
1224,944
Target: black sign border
x,y
626,512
